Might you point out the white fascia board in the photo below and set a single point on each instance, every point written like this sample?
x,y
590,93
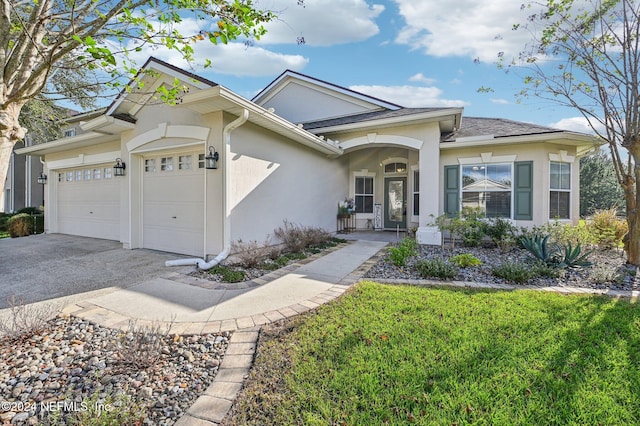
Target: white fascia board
x,y
392,121
106,120
82,140
280,125
567,138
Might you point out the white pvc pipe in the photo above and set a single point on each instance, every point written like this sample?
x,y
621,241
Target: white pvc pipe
x,y
201,263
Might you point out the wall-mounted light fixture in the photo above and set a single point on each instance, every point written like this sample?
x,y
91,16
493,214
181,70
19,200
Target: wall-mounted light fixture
x,y
118,168
42,179
211,160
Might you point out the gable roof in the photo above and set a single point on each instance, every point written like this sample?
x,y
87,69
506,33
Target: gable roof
x,y
281,81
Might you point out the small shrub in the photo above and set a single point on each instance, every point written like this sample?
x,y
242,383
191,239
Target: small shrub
x,y
403,251
296,238
252,253
227,274
572,257
20,225
541,269
25,320
514,272
465,260
141,345
607,229
436,268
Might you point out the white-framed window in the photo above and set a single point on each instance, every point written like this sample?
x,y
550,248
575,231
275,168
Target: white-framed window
x,y
108,172
97,174
185,162
488,187
166,164
78,175
69,177
87,174
363,194
201,161
559,190
150,165
416,192
69,133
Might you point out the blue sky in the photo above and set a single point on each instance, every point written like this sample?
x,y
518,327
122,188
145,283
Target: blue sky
x,y
410,52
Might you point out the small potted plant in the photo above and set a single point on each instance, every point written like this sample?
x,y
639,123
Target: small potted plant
x,y
346,208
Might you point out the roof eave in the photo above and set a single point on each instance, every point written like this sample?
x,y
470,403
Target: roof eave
x,y
452,113
65,144
566,138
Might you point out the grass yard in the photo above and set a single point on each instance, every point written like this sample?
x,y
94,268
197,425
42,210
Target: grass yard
x,y
407,355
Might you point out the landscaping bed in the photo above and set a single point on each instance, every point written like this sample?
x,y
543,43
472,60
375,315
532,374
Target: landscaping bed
x,y
608,270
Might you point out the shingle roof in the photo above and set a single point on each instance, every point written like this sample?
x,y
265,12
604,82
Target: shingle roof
x,y
367,116
496,127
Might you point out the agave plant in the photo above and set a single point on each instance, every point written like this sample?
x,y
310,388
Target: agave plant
x,y
572,257
538,247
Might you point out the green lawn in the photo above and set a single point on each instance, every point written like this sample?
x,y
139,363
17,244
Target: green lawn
x,y
407,355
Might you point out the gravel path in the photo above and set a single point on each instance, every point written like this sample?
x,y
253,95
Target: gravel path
x,y
72,360
609,269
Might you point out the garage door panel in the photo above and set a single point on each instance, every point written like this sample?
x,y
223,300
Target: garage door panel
x,y
173,209
89,208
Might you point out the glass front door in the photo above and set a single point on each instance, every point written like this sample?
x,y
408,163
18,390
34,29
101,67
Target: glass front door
x,y
395,203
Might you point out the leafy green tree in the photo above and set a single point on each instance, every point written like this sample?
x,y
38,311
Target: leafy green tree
x,y
599,188
43,43
585,54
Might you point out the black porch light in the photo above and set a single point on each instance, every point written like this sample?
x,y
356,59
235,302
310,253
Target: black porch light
x,y
118,168
42,179
211,160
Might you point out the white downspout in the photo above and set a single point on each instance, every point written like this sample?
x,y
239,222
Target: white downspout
x,y
200,263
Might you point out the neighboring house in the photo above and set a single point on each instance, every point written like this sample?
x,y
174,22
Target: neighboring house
x,y
21,188
293,153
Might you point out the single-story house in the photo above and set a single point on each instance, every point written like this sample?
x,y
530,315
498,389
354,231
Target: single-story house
x,y
293,152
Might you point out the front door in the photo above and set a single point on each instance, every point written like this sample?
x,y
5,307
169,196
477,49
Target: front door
x,y
395,203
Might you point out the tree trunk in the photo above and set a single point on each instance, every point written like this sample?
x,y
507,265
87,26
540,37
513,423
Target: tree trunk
x,y
10,133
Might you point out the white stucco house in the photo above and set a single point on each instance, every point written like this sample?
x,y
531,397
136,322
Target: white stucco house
x,y
294,152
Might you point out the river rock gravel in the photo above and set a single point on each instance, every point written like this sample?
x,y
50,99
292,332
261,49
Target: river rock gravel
x,y
72,360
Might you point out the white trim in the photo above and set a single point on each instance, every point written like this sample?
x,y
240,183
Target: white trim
x,y
84,160
165,130
414,168
561,157
487,157
373,139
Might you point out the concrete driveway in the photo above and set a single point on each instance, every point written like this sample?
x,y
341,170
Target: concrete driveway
x,y
48,266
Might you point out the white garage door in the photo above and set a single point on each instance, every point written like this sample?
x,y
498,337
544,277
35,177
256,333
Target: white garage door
x,y
173,203
88,202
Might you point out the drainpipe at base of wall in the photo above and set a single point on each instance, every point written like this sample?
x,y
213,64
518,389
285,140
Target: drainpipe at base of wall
x,y
201,263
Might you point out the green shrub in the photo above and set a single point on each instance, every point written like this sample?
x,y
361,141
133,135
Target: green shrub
x,y
228,275
572,257
20,225
499,229
436,268
539,248
541,269
514,272
404,250
607,229
30,210
469,226
555,255
465,260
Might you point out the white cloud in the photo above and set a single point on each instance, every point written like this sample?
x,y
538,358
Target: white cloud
x,y
465,28
410,96
577,124
500,101
421,78
321,23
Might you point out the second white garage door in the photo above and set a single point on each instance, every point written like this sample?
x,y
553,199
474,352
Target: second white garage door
x,y
173,203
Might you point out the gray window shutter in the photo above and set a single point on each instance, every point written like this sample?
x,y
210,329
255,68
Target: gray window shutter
x,y
523,190
451,190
